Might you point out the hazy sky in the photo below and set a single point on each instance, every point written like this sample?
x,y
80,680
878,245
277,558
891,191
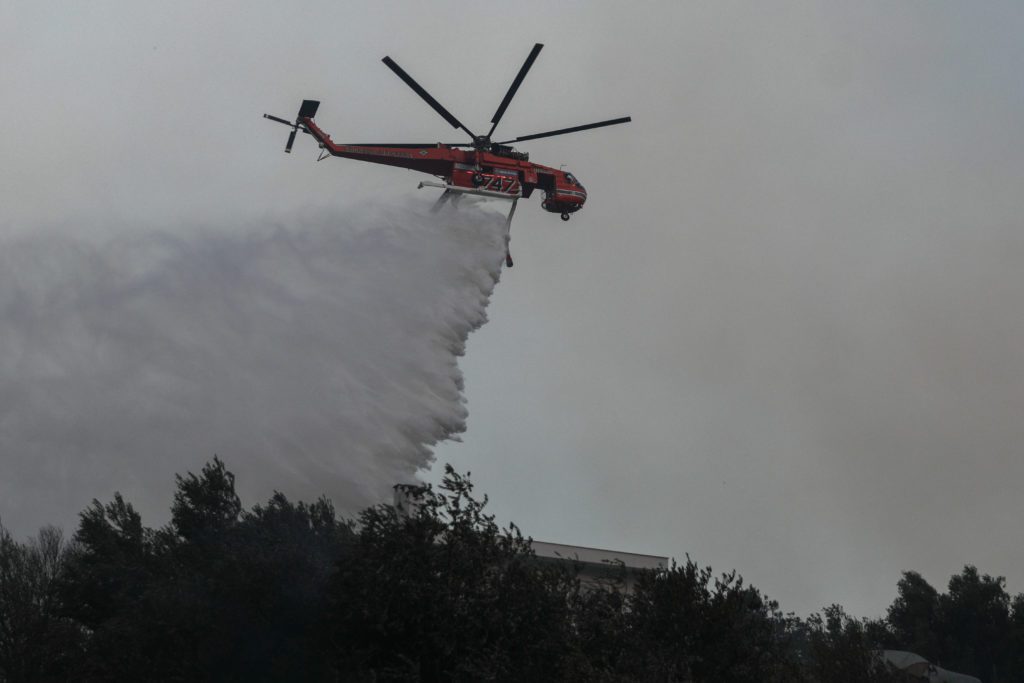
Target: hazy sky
x,y
783,336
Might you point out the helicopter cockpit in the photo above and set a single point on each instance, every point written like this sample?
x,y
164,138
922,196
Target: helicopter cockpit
x,y
566,197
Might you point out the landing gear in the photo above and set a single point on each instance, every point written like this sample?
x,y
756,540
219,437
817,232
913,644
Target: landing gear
x,y
478,179
565,216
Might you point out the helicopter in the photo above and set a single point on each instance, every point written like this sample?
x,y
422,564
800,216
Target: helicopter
x,y
480,167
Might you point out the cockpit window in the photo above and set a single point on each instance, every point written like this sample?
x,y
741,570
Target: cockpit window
x,y
573,180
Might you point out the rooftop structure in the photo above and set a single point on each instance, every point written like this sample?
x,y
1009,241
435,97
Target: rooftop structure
x,y
597,566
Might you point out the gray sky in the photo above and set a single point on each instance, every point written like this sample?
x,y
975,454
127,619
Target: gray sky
x,y
784,335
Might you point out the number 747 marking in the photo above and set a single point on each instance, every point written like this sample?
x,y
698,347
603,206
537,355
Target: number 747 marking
x,y
503,184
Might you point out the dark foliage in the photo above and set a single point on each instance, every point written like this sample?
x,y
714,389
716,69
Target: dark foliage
x,y
37,642
914,617
841,649
218,594
433,590
974,628
440,593
681,624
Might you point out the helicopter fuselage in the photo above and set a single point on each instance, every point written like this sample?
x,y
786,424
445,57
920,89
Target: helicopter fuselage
x,y
480,171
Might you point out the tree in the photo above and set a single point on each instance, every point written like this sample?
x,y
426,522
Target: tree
x,y
433,590
109,563
218,594
36,642
1015,640
975,625
841,649
599,649
444,594
970,629
205,507
684,625
914,617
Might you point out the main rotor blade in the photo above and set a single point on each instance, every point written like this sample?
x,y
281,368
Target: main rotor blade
x,y
409,81
515,86
574,129
291,140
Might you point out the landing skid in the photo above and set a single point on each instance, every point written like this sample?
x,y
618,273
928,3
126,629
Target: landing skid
x,y
454,194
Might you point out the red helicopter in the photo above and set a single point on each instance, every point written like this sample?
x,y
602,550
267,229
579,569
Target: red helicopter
x,y
480,167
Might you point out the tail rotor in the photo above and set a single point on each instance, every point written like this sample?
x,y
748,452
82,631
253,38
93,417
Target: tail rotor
x,y
306,111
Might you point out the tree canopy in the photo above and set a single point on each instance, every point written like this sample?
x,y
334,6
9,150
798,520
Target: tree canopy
x,y
434,590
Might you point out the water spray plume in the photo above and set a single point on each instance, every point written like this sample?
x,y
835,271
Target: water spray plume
x,y
314,357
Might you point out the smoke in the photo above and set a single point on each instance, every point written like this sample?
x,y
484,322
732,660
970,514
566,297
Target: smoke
x,y
317,356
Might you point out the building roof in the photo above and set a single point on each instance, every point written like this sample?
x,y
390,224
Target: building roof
x,y
598,556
